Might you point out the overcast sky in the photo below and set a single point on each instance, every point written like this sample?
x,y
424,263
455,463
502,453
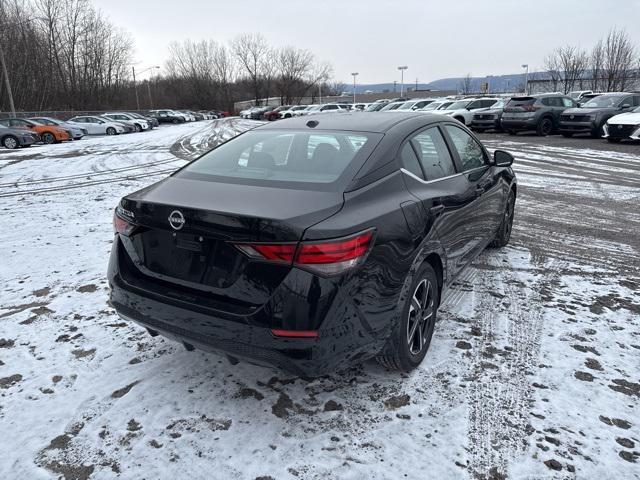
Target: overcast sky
x,y
434,39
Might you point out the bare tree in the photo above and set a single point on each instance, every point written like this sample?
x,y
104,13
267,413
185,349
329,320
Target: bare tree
x,y
253,53
619,60
568,65
466,84
596,64
553,67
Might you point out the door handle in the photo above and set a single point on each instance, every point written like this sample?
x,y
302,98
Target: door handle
x,y
436,210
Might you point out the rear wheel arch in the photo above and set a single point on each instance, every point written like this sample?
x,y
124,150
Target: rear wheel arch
x,y
436,263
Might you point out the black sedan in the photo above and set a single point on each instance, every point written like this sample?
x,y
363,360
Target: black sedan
x,y
312,244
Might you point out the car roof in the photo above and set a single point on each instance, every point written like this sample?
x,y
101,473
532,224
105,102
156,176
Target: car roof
x,y
378,122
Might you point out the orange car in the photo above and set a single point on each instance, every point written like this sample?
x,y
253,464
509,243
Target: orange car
x,y
48,133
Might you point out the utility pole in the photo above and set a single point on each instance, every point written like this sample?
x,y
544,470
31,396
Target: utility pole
x,y
319,93
355,74
135,87
526,79
402,69
5,73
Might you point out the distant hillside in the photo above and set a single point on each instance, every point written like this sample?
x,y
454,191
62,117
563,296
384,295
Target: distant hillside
x,y
497,83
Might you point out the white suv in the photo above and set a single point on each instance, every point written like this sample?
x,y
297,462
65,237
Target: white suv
x,y
462,110
328,108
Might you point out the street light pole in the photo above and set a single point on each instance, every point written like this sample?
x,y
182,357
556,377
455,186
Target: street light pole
x,y
402,69
526,79
355,74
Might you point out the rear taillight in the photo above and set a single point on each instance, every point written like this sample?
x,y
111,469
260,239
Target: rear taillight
x,y
325,257
120,225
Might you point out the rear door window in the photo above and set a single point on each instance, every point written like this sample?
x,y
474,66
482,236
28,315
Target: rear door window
x,y
433,153
470,152
567,102
410,160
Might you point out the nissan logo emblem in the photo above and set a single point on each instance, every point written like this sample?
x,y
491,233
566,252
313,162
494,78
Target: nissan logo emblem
x,y
619,127
176,220
572,117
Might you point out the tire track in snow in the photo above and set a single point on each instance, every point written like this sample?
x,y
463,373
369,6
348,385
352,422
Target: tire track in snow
x,y
500,395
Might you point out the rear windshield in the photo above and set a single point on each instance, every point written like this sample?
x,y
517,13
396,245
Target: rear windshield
x,y
519,101
318,157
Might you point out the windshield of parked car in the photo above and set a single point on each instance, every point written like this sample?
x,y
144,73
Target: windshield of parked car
x,y
315,108
289,156
499,104
459,105
636,110
604,101
406,105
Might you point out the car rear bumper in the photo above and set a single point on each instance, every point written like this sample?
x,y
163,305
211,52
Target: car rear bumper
x,y
577,127
342,339
519,124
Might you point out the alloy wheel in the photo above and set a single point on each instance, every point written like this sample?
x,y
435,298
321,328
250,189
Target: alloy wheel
x,y
421,314
48,138
10,143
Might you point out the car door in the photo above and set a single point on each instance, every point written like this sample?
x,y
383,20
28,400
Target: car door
x,y
432,177
483,185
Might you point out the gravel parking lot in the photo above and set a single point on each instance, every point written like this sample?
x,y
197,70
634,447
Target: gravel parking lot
x,y
533,371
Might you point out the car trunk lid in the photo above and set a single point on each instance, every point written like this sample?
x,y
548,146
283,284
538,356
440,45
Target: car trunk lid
x,y
186,230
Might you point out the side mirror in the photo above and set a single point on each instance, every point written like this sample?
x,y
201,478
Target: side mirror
x,y
626,105
502,158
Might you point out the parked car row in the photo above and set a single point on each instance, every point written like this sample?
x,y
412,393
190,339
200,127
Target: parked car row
x,y
24,132
614,116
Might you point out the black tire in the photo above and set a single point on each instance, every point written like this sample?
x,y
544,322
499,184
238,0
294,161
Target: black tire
x,y
545,127
512,132
567,134
404,351
138,127
111,131
287,115
597,133
10,142
504,232
175,121
613,140
460,119
48,138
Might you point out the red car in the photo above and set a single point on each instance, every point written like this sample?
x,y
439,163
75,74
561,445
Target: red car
x,y
274,114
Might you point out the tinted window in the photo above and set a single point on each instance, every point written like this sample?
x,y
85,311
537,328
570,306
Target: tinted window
x,y
547,102
410,160
636,100
521,101
434,154
475,105
470,153
291,156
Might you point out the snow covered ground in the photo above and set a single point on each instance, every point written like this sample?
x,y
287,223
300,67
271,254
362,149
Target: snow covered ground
x,y
533,372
